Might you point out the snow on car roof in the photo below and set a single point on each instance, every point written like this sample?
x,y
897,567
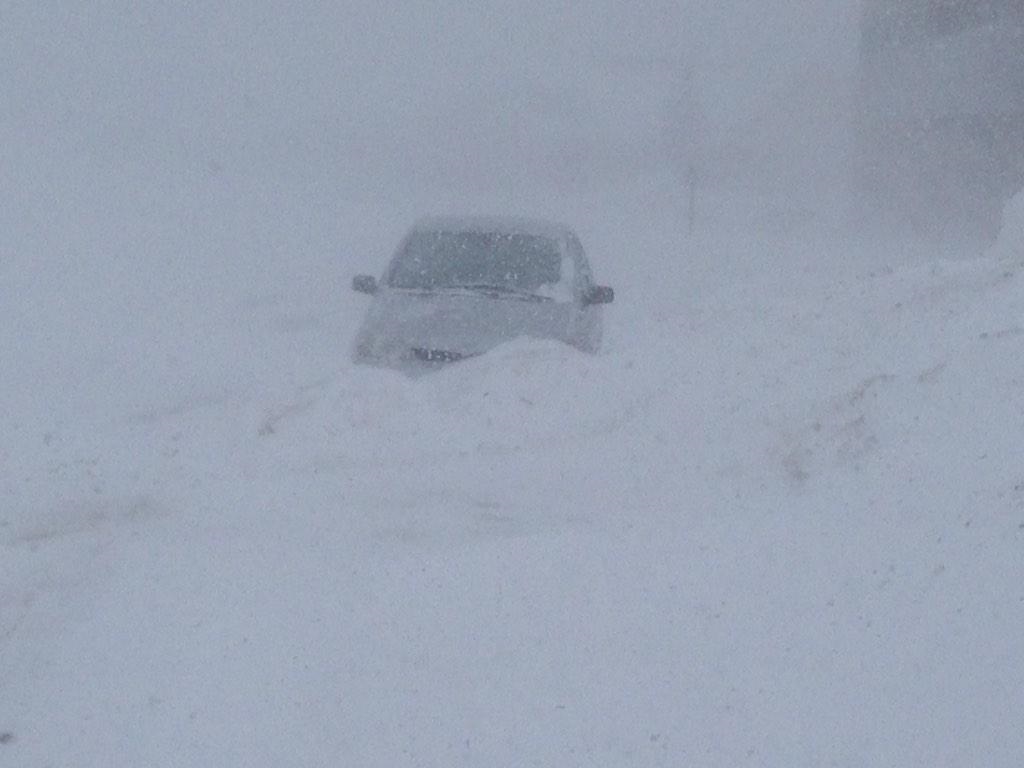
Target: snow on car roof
x,y
504,224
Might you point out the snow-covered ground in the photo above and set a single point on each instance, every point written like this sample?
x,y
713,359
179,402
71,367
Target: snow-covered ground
x,y
778,521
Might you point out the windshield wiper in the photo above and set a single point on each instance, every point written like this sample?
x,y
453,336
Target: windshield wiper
x,y
501,290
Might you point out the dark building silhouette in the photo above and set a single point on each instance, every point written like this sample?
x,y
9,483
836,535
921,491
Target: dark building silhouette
x,y
941,111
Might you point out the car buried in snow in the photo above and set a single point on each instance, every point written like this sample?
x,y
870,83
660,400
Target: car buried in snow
x,y
458,287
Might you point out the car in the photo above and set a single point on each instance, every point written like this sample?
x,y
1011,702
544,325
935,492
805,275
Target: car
x,y
460,286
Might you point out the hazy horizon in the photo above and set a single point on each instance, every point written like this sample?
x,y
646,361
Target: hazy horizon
x,y
440,94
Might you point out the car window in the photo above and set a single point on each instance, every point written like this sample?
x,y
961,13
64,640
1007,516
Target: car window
x,y
584,277
431,260
567,286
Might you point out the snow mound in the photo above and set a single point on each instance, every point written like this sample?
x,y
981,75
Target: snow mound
x,y
523,395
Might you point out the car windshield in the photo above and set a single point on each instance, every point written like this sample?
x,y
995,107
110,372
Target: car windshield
x,y
501,260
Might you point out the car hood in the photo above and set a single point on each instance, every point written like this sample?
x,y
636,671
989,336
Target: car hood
x,y
450,325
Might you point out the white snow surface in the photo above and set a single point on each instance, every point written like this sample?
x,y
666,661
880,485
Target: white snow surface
x,y
777,521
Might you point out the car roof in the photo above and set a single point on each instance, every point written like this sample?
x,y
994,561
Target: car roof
x,y
512,225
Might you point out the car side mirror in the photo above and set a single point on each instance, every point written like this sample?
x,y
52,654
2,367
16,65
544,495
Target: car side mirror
x,y
364,284
599,294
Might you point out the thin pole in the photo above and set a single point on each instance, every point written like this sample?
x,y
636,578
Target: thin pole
x,y
691,218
